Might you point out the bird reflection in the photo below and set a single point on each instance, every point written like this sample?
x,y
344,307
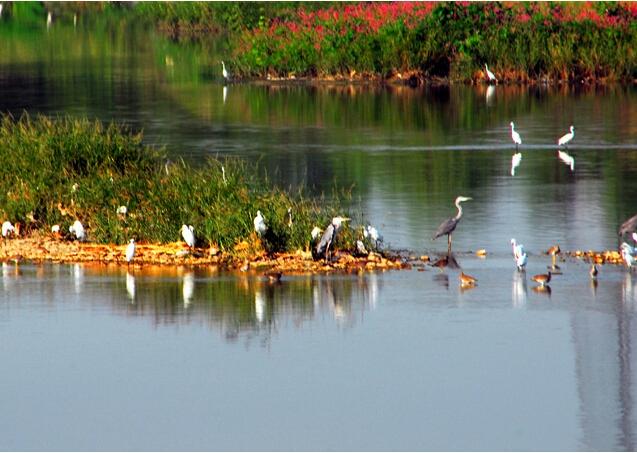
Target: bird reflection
x,y
188,288
489,94
371,290
225,93
9,273
519,290
78,277
545,289
442,279
629,292
567,159
259,304
130,286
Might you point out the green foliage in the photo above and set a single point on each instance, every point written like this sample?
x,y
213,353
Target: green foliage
x,y
89,170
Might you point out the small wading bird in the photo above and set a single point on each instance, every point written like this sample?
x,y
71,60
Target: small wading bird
x,y
490,75
515,162
78,230
564,139
519,254
372,233
259,224
515,136
323,247
188,233
467,280
542,279
593,272
450,224
224,72
130,251
627,255
7,229
316,231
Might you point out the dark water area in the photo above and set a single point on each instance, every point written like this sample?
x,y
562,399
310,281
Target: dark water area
x,y
191,359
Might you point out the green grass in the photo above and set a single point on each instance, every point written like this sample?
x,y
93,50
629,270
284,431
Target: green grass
x,y
91,169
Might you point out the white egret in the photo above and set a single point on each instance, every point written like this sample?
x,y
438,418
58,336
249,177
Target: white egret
x,y
360,248
315,232
521,261
564,139
78,229
259,224
188,233
7,228
518,249
448,226
55,229
224,71
515,136
372,233
122,210
567,159
627,255
323,247
490,75
515,162
130,251
49,19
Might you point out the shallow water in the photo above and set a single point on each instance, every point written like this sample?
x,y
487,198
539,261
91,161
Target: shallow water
x,y
187,359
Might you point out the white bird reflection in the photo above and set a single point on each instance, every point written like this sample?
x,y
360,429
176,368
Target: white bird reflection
x,y
7,277
130,286
188,288
225,93
259,305
78,277
567,159
515,162
519,289
629,292
489,95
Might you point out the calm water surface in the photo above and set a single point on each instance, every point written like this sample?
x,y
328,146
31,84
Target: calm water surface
x,y
185,359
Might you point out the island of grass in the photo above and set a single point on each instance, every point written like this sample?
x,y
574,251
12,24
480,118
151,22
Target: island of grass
x,y
56,171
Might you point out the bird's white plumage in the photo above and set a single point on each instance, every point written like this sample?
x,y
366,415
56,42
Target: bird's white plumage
x,y
515,136
77,229
518,249
520,261
188,234
122,210
635,237
564,139
55,229
515,162
316,231
130,251
628,258
567,159
7,228
259,224
224,71
490,75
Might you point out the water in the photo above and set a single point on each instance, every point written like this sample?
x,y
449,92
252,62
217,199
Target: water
x,y
187,359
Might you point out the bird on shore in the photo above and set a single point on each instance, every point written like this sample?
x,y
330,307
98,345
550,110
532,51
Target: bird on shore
x,y
188,233
224,72
78,230
7,229
467,280
259,224
627,255
593,272
515,136
542,279
130,251
515,162
448,226
567,159
490,75
316,231
564,139
323,247
373,235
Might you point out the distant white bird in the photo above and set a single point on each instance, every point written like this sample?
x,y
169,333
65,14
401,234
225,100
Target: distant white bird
x,y
130,251
564,139
316,231
567,159
360,248
490,75
49,19
78,229
55,229
518,249
515,162
224,71
515,136
188,233
7,228
259,224
122,210
372,233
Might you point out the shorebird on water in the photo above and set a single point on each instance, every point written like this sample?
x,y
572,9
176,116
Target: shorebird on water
x,y
542,279
467,280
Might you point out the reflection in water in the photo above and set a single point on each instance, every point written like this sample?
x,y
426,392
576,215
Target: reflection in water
x,y
629,292
442,279
78,277
259,304
188,287
546,289
489,94
130,286
520,289
225,93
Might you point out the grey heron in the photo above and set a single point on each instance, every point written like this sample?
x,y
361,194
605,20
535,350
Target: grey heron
x,y
564,139
323,247
515,136
628,226
448,226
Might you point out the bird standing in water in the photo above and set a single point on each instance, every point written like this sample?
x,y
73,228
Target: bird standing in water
x,y
564,139
467,280
515,136
448,226
542,279
130,251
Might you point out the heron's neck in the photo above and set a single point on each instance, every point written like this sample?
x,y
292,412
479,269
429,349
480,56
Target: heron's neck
x,y
459,210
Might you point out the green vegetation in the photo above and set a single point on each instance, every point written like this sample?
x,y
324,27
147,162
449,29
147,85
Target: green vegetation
x,y
56,171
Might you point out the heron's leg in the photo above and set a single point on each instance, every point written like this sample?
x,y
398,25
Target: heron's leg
x,y
448,244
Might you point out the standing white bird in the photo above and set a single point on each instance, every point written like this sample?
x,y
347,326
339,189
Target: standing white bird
x,y
323,247
373,235
567,159
316,231
629,259
518,249
224,72
520,262
564,139
188,233
7,228
130,251
490,75
515,162
259,224
49,19
515,136
78,229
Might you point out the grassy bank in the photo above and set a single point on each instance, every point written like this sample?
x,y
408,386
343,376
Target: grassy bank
x,y
520,41
57,171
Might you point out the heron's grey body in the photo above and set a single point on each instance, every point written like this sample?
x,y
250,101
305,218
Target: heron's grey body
x,y
323,247
448,226
628,226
